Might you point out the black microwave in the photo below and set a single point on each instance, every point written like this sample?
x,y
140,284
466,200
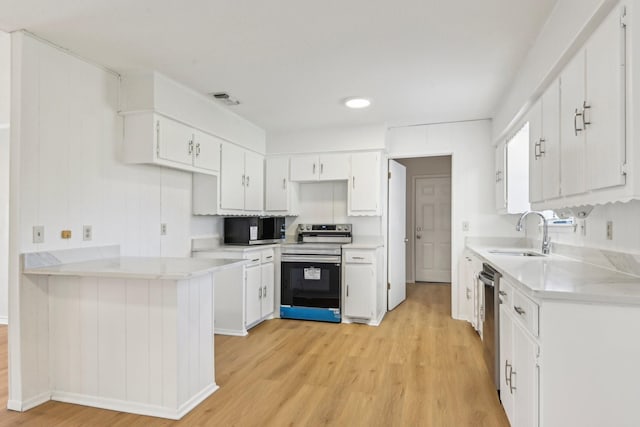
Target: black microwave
x,y
253,230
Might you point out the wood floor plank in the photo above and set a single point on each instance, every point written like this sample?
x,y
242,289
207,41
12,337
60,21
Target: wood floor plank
x,y
418,368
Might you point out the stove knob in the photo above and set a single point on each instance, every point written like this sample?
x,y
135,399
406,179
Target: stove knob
x,y
308,227
301,227
339,228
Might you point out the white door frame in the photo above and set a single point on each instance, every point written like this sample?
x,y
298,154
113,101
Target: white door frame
x,y
413,216
454,234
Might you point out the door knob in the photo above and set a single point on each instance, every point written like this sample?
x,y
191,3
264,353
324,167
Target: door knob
x,y
418,237
406,240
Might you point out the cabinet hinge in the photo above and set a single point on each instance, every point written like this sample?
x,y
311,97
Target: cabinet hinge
x,y
388,285
623,169
158,138
623,18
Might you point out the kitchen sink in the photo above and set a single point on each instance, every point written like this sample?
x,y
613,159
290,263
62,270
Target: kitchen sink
x,y
515,253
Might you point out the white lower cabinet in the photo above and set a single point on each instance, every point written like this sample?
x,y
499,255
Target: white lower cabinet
x,y
360,281
468,304
244,300
363,287
519,353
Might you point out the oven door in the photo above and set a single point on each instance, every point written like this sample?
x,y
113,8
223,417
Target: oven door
x,y
311,281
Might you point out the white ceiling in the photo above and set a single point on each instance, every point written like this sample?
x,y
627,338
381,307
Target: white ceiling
x,y
291,62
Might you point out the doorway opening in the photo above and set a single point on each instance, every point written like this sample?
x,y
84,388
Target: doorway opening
x,y
428,220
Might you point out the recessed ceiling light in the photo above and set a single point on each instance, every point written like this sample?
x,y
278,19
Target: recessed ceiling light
x,y
357,103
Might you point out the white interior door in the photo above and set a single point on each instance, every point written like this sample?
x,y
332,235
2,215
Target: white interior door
x,y
397,243
433,229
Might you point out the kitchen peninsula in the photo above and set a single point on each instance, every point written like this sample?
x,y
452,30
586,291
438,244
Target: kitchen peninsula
x,y
131,334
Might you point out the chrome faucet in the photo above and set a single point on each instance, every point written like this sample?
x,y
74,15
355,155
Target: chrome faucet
x,y
546,240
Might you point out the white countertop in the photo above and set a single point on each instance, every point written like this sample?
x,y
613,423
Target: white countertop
x,y
237,248
558,277
371,242
138,268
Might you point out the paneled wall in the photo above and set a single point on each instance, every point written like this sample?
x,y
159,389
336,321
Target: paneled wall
x,y
5,64
66,145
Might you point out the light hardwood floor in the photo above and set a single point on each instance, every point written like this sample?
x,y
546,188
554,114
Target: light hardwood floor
x,y
419,368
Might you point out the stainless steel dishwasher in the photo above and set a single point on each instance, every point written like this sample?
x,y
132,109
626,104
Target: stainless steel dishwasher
x,y
490,314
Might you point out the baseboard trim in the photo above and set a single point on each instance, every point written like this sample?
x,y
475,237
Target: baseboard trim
x,y
135,408
231,332
25,405
370,322
4,320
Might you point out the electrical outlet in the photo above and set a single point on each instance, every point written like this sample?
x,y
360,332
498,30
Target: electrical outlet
x,y
38,234
465,225
87,233
163,229
609,230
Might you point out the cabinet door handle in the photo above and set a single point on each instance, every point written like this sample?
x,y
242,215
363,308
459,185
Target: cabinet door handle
x,y
248,180
264,293
197,149
468,293
585,107
353,182
284,183
358,257
536,150
321,168
260,292
255,260
575,122
519,310
243,179
347,290
190,146
314,168
502,293
270,256
507,377
541,145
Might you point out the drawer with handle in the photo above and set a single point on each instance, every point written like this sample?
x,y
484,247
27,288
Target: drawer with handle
x,y
267,256
505,292
254,256
526,311
359,257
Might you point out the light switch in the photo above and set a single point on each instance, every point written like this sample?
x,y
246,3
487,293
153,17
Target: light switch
x,y
465,225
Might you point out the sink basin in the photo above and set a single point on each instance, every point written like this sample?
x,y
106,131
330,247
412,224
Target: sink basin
x,y
514,253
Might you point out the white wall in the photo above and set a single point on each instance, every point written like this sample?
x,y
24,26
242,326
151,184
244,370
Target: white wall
x,y
66,144
567,26
5,68
626,232
324,140
419,166
473,187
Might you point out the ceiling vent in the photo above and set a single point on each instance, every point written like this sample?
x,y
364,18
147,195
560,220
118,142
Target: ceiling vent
x,y
225,98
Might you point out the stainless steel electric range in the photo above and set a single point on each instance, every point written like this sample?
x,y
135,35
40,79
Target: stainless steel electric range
x,y
312,273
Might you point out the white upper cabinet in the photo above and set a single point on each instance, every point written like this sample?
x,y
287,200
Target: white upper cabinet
x,y
604,110
364,184
156,139
206,151
325,167
280,193
544,146
593,111
253,182
168,124
174,141
241,180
